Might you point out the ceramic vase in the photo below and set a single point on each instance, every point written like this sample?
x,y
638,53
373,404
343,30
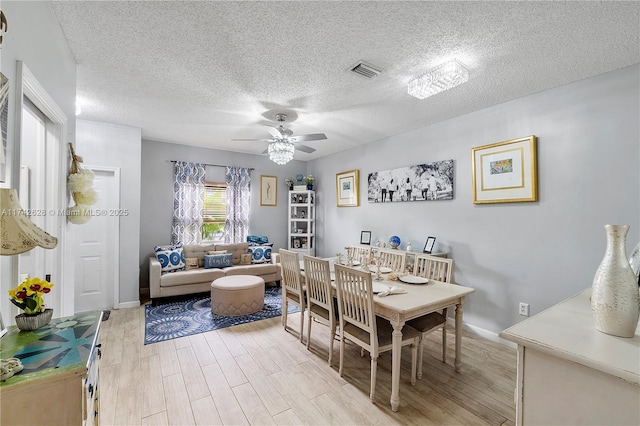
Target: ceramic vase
x,y
615,299
33,322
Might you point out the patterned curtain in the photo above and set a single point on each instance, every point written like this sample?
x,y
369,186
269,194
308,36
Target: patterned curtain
x,y
188,203
236,227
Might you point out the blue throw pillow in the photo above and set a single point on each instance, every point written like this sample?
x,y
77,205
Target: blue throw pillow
x,y
256,240
171,258
218,260
261,254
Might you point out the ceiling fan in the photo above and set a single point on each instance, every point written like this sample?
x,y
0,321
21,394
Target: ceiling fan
x,y
282,144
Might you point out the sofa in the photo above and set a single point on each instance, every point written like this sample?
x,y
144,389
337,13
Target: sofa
x,y
199,280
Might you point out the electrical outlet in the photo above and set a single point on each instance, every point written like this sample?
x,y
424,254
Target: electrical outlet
x,y
524,309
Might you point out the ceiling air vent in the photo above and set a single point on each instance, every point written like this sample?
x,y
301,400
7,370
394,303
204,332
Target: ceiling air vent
x,y
365,70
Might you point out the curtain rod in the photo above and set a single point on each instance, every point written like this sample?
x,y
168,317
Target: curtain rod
x,y
214,165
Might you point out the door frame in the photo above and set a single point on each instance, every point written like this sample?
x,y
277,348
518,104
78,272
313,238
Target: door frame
x,y
116,239
27,85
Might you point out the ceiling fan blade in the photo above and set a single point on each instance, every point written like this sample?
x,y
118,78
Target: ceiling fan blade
x,y
311,137
252,140
305,148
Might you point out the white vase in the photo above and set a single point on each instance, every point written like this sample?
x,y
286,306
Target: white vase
x,y
615,299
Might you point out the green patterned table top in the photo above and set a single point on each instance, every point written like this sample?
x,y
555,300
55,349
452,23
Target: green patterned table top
x,y
62,345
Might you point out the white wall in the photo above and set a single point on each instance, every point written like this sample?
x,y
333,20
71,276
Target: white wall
x,y
119,146
540,252
157,193
35,38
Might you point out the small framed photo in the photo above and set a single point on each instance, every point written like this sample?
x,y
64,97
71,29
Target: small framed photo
x,y
297,243
505,172
365,237
268,190
428,246
347,191
3,328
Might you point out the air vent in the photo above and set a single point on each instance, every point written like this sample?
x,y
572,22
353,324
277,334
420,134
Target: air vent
x,y
365,70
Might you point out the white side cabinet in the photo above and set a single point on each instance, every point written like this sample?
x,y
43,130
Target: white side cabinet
x,y
302,222
571,374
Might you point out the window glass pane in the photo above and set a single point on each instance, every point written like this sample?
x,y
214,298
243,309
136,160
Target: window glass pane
x,y
214,212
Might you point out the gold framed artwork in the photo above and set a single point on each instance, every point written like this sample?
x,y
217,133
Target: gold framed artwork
x,y
268,190
347,189
505,172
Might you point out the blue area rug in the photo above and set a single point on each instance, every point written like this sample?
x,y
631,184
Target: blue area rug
x,y
193,316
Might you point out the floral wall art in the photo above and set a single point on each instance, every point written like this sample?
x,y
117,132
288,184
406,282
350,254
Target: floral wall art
x,y
422,182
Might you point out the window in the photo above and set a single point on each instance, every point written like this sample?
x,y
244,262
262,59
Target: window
x,y
214,213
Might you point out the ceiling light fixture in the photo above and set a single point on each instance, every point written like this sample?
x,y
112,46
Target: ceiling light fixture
x,y
281,151
441,78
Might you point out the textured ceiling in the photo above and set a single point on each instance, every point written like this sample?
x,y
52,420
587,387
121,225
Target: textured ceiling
x,y
203,73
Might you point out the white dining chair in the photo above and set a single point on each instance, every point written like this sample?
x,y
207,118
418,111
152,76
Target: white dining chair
x,y
359,324
320,299
393,258
439,269
361,254
293,289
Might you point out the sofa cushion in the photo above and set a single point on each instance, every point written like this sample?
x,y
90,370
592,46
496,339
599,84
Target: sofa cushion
x,y
261,254
193,276
256,240
260,269
198,250
218,260
171,258
236,249
245,259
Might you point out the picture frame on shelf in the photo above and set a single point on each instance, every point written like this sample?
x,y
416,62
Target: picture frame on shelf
x,y
429,245
297,243
505,172
268,190
347,189
365,237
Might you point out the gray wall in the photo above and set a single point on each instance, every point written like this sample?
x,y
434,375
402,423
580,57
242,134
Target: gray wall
x,y
119,146
157,193
35,38
540,252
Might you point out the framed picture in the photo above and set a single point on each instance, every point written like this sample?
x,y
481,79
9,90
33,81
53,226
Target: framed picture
x,y
297,243
428,246
421,182
268,190
505,172
347,191
3,328
365,237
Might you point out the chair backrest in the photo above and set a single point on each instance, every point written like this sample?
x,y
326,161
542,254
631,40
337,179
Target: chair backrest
x,y
361,254
291,272
355,300
394,259
433,267
318,279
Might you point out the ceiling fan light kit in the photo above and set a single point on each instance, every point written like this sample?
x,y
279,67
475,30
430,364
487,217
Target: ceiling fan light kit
x,y
441,78
281,152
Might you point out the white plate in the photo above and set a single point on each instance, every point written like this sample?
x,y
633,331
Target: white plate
x,y
379,288
355,263
383,269
412,279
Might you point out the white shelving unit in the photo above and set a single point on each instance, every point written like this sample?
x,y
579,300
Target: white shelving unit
x,y
302,226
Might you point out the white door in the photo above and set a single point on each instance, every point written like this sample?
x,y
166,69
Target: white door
x,y
97,246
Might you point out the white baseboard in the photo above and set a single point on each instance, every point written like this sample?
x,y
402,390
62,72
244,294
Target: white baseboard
x,y
489,335
132,304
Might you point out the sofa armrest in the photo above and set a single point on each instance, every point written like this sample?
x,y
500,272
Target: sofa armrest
x,y
154,277
275,258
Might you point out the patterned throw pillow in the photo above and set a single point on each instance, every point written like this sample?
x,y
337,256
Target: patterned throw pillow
x,y
256,240
260,254
218,260
191,263
171,258
245,259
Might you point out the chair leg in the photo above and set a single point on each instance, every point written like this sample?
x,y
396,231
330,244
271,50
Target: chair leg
x,y
420,350
302,311
414,356
444,342
341,353
374,369
285,309
309,331
333,336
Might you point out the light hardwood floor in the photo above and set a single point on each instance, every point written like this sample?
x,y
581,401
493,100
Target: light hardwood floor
x,y
259,374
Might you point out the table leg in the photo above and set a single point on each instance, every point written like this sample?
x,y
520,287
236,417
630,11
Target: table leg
x,y
456,362
396,355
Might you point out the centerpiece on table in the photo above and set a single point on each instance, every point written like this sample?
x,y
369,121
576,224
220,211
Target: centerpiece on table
x,y
28,296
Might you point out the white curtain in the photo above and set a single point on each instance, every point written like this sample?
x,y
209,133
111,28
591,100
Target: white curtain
x,y
188,203
236,226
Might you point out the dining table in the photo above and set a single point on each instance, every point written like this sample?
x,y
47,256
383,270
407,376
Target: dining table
x,y
412,301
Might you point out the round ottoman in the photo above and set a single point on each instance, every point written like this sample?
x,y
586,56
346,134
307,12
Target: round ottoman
x,y
237,295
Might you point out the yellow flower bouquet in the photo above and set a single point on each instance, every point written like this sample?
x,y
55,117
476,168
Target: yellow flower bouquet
x,y
28,295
